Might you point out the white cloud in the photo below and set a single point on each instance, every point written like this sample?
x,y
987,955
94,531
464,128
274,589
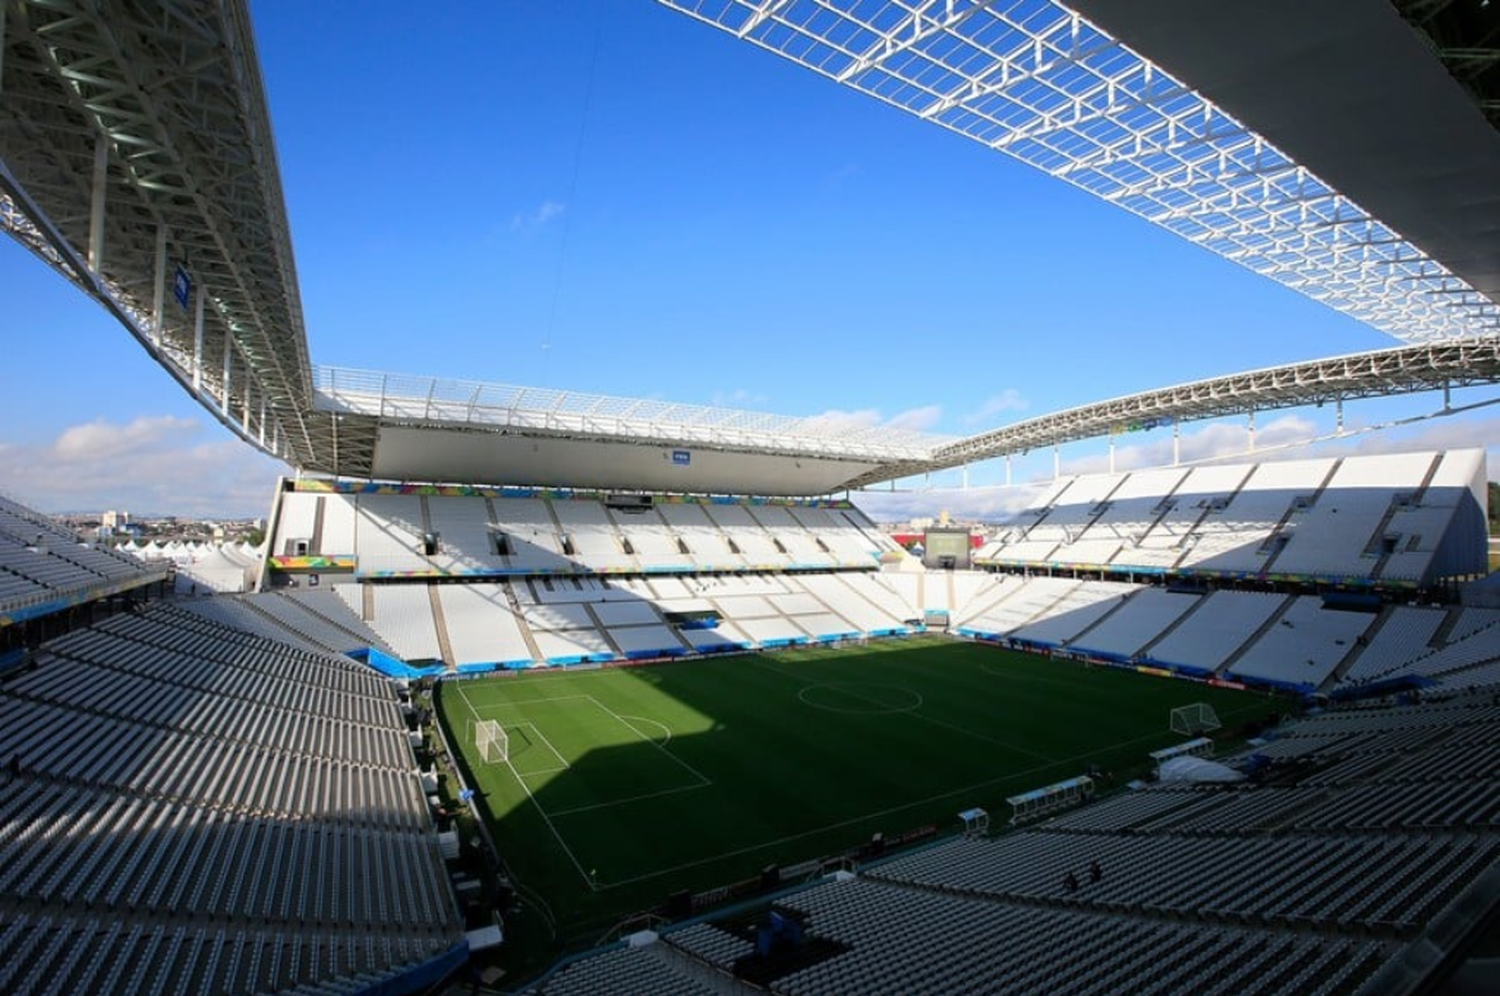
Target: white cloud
x,y
738,398
920,419
917,419
835,179
530,221
150,465
99,440
984,504
1008,400
1440,434
837,418
1213,442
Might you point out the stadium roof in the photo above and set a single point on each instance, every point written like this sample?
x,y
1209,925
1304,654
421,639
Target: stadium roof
x,y
136,151
1119,97
1340,158
403,428
1402,122
399,427
1403,370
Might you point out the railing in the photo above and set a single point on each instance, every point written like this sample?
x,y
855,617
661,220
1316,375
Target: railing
x,y
402,397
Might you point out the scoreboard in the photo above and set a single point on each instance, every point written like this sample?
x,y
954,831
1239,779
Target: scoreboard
x,y
946,549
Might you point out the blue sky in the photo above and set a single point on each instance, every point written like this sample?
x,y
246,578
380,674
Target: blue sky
x,y
610,197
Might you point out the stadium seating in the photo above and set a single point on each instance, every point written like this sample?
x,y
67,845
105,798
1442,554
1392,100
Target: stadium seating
x,y
1149,613
43,567
403,615
1260,887
1215,629
1304,646
505,533
211,811
482,627
1390,518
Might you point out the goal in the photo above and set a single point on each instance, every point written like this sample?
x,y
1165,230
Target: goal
x,y
1191,720
493,744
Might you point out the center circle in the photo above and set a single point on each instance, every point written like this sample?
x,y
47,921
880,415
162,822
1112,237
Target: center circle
x,y
860,698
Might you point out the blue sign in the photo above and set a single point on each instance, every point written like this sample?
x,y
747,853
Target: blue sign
x,y
681,458
182,286
465,795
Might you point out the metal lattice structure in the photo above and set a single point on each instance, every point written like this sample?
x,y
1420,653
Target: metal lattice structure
x,y
1381,373
1040,83
136,159
1465,37
357,405
398,399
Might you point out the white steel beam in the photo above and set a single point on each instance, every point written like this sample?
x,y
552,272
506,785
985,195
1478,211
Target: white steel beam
x,y
1039,82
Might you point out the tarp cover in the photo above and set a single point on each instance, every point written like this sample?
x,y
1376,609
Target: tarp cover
x,y
1197,769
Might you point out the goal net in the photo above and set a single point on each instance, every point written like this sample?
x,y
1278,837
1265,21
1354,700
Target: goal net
x,y
493,744
1191,720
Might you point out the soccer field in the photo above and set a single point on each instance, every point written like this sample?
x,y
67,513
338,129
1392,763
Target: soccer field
x,y
625,785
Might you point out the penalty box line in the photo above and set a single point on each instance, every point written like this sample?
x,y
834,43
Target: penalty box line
x,y
702,781
702,778
562,764
588,879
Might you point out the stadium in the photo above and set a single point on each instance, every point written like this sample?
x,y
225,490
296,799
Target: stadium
x,y
548,691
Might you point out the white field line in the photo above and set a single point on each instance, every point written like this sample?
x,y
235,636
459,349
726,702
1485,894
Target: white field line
x,y
917,714
466,700
704,779
635,798
587,878
962,790
555,752
646,719
522,703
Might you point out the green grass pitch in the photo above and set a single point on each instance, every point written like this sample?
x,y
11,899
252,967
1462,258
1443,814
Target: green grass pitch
x,y
625,785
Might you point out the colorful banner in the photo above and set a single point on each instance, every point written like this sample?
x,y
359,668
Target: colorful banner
x,y
314,563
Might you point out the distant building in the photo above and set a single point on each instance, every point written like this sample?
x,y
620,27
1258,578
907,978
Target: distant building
x,y
113,521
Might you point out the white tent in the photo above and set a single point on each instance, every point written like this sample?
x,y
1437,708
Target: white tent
x,y
216,571
1197,769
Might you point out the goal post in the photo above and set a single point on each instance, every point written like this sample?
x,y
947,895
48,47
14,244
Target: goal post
x,y
492,743
1192,720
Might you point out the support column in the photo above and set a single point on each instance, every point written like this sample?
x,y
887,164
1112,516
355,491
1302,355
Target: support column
x,y
966,477
1111,454
96,203
1338,409
245,406
1250,425
1056,461
199,295
159,288
224,384
261,427
1176,444
1447,396
1007,470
